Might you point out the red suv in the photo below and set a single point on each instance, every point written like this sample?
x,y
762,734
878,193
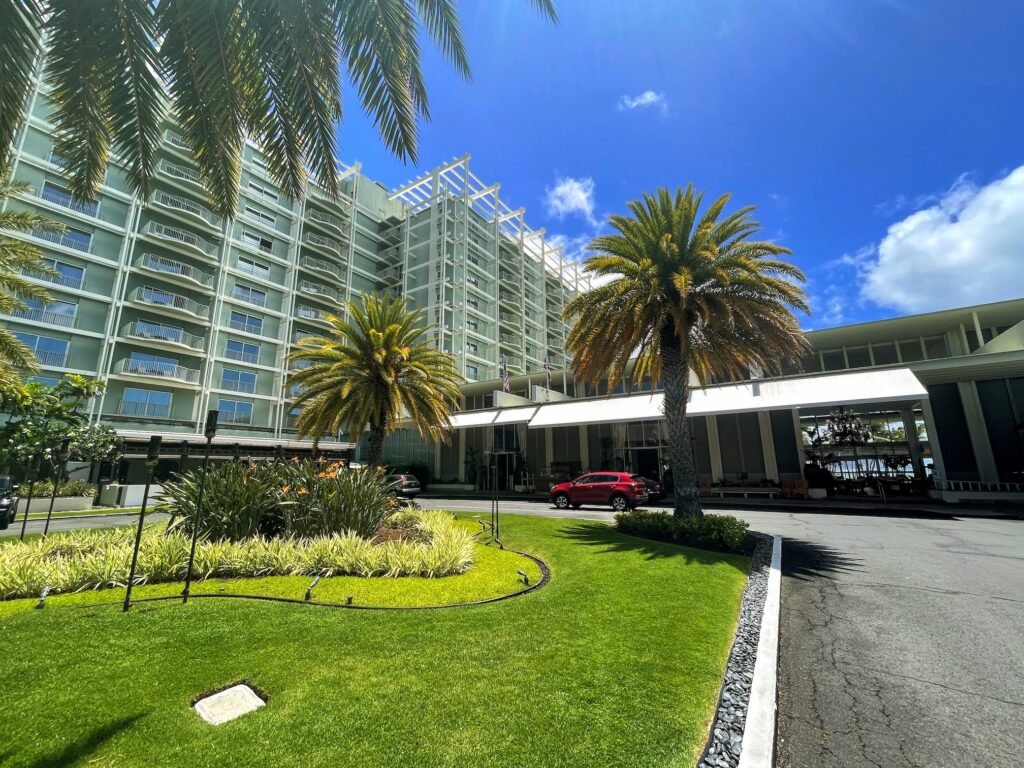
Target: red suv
x,y
621,490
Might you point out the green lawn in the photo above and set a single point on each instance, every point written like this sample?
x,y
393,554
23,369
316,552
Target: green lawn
x,y
616,662
82,512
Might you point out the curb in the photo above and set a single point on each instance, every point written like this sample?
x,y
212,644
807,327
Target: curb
x,y
758,750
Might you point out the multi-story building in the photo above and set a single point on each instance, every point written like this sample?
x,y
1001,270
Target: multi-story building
x,y
181,311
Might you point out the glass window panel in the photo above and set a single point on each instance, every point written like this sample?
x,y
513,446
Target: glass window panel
x,y
858,357
834,360
935,347
910,350
885,354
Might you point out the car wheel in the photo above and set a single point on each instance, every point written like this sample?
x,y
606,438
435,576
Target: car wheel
x,y
620,503
562,501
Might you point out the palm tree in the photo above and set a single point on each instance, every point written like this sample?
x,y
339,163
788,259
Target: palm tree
x,y
267,68
375,370
17,258
687,292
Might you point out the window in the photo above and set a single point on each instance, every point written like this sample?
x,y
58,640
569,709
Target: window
x,y
255,213
473,303
259,162
262,190
240,350
243,322
910,350
145,402
54,313
936,348
473,280
472,372
250,295
238,381
69,238
48,351
472,324
256,241
834,360
235,411
57,194
472,348
255,268
858,357
157,296
68,275
46,381
884,354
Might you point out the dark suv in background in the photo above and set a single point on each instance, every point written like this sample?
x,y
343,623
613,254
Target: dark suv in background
x,y
8,501
619,490
406,485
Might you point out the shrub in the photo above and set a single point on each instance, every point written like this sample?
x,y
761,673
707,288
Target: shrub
x,y
79,560
67,489
719,532
320,500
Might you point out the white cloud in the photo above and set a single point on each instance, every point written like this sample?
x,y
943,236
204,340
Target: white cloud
x,y
643,101
570,197
965,248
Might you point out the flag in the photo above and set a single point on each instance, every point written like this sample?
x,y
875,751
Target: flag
x,y
505,381
547,370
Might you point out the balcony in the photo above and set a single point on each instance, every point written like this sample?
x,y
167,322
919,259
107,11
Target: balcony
x,y
64,281
311,262
510,339
508,317
181,173
63,198
144,410
176,140
308,313
245,387
300,335
180,269
141,329
43,316
321,291
235,417
77,241
324,219
170,301
52,359
181,237
253,358
182,205
328,244
153,369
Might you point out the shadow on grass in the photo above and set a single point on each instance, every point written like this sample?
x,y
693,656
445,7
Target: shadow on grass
x,y
609,539
86,745
806,560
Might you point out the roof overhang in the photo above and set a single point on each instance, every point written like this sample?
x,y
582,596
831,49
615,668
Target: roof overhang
x,y
230,440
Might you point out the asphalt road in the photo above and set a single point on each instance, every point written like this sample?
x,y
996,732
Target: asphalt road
x,y
902,638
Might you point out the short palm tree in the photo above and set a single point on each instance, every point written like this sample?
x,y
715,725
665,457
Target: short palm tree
x,y
373,371
687,292
18,258
267,68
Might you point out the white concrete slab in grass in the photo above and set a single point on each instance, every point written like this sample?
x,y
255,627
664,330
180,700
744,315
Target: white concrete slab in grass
x,y
219,708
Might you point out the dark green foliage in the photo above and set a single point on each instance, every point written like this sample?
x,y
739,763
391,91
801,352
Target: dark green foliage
x,y
719,532
66,490
321,500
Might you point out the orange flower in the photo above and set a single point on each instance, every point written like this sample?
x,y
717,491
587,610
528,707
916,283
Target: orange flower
x,y
302,491
286,489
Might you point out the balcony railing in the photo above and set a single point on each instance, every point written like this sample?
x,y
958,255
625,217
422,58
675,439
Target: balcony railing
x,y
319,264
254,328
185,205
247,387
508,317
245,357
181,236
144,410
300,335
324,242
308,313
172,301
73,240
65,281
63,198
236,417
43,316
251,297
324,218
141,329
182,172
507,338
52,359
176,139
157,369
173,267
319,290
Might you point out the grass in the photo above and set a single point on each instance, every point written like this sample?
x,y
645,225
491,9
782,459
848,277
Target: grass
x,y
83,512
616,662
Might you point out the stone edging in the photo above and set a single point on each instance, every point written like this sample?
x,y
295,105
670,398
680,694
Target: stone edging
x,y
726,739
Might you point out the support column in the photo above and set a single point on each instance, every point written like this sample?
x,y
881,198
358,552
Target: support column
x,y
801,453
438,447
584,448
938,467
549,446
771,464
987,471
910,427
714,448
462,455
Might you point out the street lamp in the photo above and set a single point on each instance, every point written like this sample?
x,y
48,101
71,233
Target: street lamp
x,y
210,433
152,457
62,459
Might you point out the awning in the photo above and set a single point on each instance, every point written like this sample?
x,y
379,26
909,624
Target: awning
x,y
883,386
230,440
494,416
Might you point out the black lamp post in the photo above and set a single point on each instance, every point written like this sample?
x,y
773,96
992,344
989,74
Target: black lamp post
x,y
33,469
210,433
152,457
62,459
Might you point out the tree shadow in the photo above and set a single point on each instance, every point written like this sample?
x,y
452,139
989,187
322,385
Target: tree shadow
x,y
610,540
806,560
86,745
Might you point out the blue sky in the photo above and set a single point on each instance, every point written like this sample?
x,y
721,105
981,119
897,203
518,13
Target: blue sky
x,y
881,140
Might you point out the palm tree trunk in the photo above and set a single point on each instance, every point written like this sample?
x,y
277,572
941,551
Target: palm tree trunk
x,y
376,448
675,373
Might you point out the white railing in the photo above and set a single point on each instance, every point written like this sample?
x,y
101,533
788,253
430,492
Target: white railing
x,y
979,486
235,417
52,359
65,281
324,218
181,236
182,172
171,266
318,264
157,369
253,328
245,357
73,240
318,290
63,198
179,203
246,387
176,139
171,300
308,313
43,316
142,329
324,242
147,410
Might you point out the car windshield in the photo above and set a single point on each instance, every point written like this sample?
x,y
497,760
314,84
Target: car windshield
x,y
638,479
5,483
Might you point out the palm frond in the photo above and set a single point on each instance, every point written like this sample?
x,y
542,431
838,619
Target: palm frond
x,y
19,48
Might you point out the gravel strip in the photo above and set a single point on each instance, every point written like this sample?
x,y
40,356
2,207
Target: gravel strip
x,y
726,737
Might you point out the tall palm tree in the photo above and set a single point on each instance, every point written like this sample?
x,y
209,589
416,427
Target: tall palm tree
x,y
267,68
375,370
687,292
17,258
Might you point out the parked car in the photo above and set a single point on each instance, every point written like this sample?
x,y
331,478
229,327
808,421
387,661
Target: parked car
x,y
406,486
8,501
620,490
655,491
